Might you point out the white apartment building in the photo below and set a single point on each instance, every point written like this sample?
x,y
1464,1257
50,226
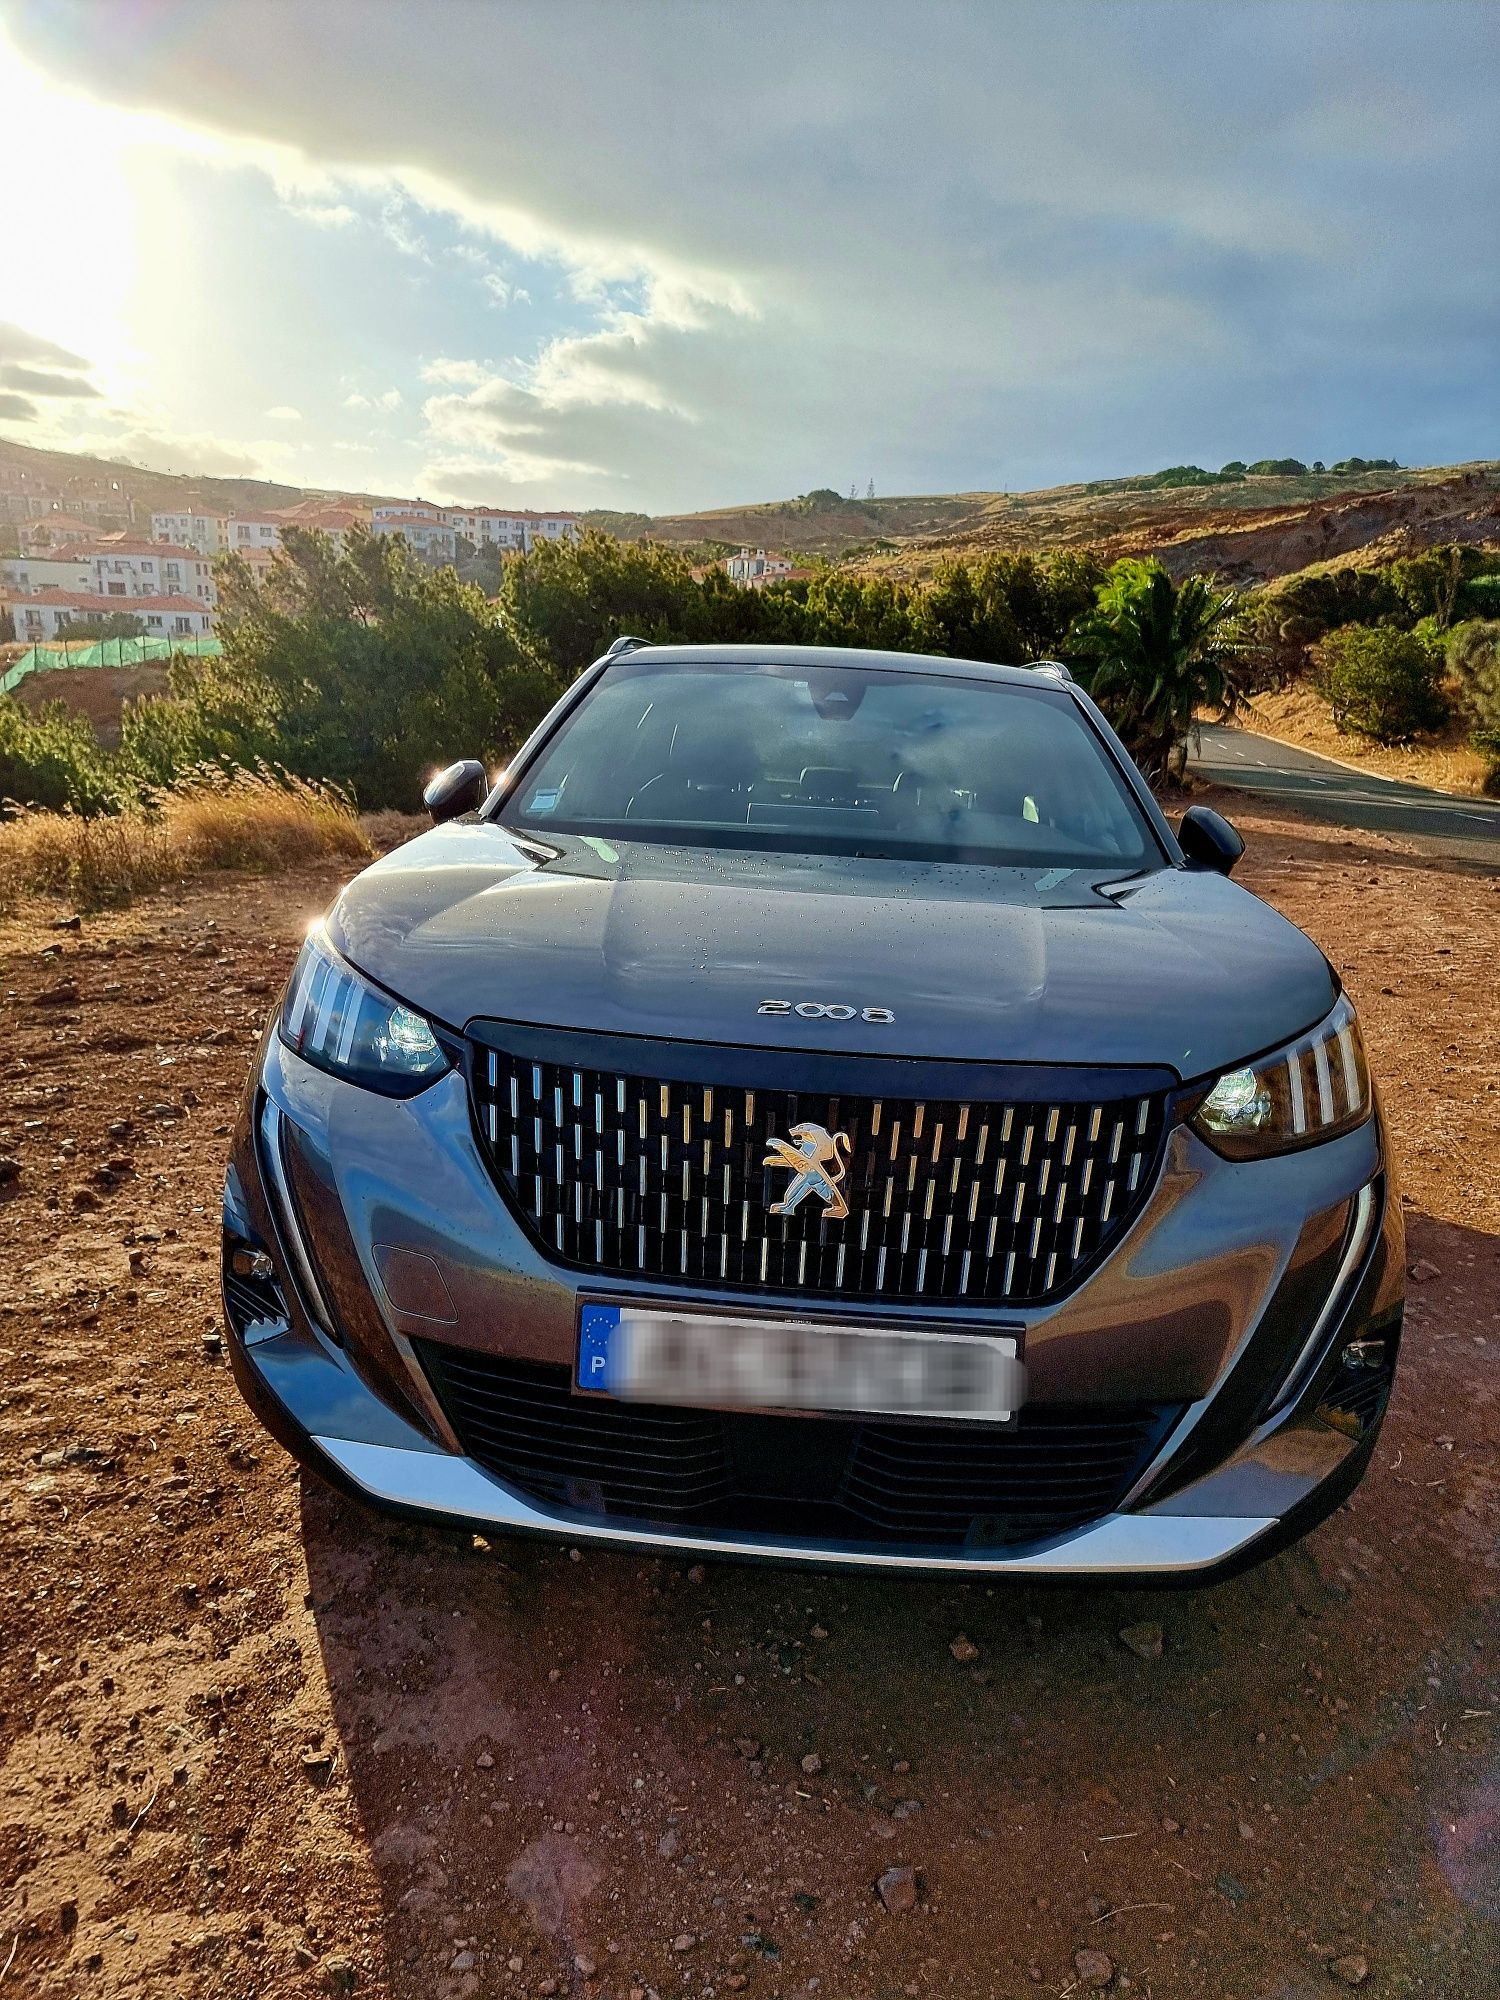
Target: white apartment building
x,y
207,533
326,518
425,532
36,618
511,528
390,510
752,569
114,566
252,531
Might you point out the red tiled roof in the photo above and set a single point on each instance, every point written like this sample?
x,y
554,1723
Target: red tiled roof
x,y
318,514
87,551
91,600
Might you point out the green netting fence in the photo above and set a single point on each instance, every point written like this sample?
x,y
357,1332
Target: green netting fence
x,y
103,653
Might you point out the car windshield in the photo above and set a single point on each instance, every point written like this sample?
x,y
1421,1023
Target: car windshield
x,y
835,760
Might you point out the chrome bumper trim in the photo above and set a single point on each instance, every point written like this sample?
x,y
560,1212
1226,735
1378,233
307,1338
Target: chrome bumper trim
x,y
294,1248
1340,1296
284,1215
1335,1305
1115,1545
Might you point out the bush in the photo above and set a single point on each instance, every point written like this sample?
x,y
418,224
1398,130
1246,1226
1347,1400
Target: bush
x,y
1474,662
52,759
1380,683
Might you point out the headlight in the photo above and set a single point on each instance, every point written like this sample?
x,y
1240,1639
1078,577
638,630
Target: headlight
x,y
1313,1089
333,1018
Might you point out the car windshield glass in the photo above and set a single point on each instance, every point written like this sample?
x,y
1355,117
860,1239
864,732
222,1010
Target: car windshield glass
x,y
835,759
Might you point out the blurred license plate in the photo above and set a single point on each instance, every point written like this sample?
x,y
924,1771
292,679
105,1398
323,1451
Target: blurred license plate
x,y
645,1355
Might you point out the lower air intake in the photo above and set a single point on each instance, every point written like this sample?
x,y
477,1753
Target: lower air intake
x,y
916,1484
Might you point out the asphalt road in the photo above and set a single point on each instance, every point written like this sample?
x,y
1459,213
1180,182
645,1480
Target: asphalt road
x,y
1437,823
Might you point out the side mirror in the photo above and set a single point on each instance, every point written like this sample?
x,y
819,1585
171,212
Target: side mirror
x,y
462,788
1208,840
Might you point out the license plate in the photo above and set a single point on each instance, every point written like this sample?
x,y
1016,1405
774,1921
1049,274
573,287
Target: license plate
x,y
643,1354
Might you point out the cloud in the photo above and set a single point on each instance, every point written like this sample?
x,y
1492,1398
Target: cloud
x,y
387,399
284,413
449,369
322,214
44,381
195,452
503,292
17,409
1027,244
17,344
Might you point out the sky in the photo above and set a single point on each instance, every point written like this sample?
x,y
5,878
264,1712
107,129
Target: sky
x,y
663,256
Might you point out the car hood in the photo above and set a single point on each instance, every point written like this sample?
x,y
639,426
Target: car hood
x,y
1173,968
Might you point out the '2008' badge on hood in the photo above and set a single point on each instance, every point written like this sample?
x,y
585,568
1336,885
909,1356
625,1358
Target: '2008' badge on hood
x,y
829,1010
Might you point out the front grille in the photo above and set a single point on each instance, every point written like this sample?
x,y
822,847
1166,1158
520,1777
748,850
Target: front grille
x,y
986,1200
918,1484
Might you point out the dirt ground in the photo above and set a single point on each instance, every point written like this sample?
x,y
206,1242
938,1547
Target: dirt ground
x,y
257,1741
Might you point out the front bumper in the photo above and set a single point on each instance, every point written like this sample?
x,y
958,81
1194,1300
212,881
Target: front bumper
x,y
385,1230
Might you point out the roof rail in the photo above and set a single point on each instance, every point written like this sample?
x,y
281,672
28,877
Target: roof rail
x,y
1053,669
626,643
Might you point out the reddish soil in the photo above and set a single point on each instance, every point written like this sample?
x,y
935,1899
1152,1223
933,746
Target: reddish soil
x,y
257,1741
100,693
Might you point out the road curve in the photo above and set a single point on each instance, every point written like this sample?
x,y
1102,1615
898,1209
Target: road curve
x,y
1437,823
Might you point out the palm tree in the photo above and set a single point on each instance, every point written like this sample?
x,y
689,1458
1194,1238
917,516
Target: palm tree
x,y
1160,651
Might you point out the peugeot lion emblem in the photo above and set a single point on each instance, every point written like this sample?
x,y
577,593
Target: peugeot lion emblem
x,y
818,1162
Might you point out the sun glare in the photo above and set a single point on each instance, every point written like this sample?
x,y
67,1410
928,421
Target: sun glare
x,y
69,281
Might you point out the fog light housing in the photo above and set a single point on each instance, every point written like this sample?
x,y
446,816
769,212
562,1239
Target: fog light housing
x,y
1364,1354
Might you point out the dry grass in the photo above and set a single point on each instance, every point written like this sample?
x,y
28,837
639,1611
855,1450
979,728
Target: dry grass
x,y
249,819
1298,714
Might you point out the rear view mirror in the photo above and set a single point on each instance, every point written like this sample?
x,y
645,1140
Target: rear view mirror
x,y
1208,840
462,788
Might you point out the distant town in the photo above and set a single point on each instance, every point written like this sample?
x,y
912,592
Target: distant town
x,y
86,561
93,558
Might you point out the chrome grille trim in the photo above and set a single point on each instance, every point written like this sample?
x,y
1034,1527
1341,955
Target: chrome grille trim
x,y
984,1200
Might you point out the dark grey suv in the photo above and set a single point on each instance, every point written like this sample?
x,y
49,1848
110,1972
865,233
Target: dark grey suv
x,y
814,1107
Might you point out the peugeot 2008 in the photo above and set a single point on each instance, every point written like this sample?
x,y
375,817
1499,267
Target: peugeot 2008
x,y
814,1107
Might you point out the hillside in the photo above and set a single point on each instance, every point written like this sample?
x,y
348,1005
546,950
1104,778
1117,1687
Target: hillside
x,y
135,493
1249,531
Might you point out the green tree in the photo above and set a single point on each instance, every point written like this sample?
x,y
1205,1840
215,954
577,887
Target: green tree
x,y
53,759
1157,653
1380,682
1473,658
111,625
570,601
1428,581
362,666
